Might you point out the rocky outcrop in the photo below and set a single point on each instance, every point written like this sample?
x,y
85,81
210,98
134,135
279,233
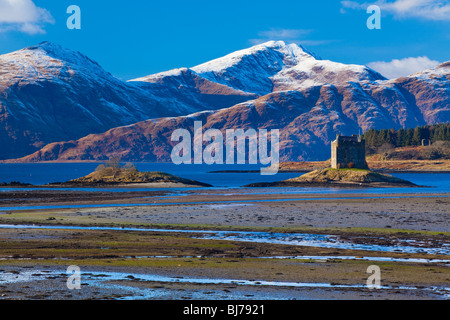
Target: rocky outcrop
x,y
340,178
108,176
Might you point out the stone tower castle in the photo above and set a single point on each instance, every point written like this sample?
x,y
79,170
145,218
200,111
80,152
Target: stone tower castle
x,y
348,152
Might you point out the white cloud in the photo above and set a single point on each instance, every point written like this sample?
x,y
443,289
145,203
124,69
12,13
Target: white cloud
x,y
23,16
284,33
438,10
403,67
289,35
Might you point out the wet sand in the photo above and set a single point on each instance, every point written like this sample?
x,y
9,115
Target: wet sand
x,y
358,218
236,208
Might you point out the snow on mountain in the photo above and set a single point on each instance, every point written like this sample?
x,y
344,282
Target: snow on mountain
x,y
319,72
251,69
50,94
277,66
190,92
429,90
441,71
47,61
308,119
269,67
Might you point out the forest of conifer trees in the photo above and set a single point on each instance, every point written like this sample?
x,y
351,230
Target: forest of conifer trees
x,y
407,137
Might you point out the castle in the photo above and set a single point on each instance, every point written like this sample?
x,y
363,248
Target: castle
x,y
348,152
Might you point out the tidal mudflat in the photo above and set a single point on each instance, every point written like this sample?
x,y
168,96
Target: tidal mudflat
x,y
225,244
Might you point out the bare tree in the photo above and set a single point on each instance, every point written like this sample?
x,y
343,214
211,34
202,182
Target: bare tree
x,y
100,168
129,166
114,164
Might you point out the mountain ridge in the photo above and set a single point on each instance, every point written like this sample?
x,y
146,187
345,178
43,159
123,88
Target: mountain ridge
x,y
272,85
308,120
48,94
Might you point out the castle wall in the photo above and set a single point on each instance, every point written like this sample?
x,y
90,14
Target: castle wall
x,y
348,152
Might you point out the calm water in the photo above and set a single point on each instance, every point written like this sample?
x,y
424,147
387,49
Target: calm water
x,y
43,173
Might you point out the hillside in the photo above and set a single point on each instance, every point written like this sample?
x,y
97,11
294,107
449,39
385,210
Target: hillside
x,y
269,86
49,93
308,120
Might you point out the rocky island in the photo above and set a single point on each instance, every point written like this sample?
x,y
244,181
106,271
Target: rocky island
x,y
113,173
340,178
130,176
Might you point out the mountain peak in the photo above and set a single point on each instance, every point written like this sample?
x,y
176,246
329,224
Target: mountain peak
x,y
276,65
49,93
52,49
441,70
291,49
251,69
277,52
64,54
45,45
47,60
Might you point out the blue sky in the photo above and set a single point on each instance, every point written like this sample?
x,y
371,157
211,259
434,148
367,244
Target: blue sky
x,y
135,38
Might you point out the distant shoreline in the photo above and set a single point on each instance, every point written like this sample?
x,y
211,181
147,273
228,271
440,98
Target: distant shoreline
x,y
396,166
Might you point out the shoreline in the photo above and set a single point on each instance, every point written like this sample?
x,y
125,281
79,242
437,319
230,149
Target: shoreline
x,y
228,206
388,166
344,185
118,263
306,171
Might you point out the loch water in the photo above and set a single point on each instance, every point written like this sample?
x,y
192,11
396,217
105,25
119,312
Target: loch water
x,y
219,176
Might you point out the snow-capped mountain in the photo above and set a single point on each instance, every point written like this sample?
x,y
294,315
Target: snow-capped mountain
x,y
277,66
429,90
49,94
308,119
272,66
186,88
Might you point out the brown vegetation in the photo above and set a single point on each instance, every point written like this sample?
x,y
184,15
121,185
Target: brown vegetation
x,y
112,172
348,176
436,151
